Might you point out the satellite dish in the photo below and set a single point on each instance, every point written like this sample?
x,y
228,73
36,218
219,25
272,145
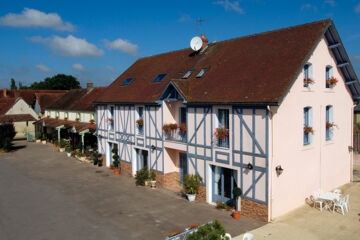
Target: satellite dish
x,y
196,43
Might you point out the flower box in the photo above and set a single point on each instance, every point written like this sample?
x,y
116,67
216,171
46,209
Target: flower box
x,y
183,128
171,127
330,125
221,133
140,122
111,120
308,129
308,81
92,121
331,82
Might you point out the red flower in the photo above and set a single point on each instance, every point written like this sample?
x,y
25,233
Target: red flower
x,y
140,122
111,120
308,81
183,128
308,129
331,81
194,226
221,133
329,124
92,121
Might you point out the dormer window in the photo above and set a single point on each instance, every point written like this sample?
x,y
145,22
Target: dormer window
x,y
202,72
126,81
187,75
159,77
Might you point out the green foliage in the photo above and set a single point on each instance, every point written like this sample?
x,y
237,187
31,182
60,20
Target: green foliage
x,y
38,135
115,156
237,192
191,183
7,133
68,148
13,84
141,176
152,175
95,157
212,231
57,82
356,128
62,143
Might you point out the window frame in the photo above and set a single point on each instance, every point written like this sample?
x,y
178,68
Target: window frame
x,y
202,72
127,81
159,77
328,74
188,74
307,71
329,115
111,115
307,137
226,113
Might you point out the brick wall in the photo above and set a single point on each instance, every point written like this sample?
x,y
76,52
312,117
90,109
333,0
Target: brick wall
x,y
201,195
126,168
169,180
254,209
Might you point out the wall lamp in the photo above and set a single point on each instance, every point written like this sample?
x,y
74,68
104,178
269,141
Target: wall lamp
x,y
153,148
250,166
279,170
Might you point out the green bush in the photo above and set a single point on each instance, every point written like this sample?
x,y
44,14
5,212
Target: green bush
x,y
115,157
141,176
95,157
152,175
210,231
7,134
68,149
62,143
191,183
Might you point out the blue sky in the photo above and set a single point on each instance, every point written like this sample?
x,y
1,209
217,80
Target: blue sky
x,y
98,40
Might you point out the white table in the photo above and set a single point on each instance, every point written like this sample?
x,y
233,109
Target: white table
x,y
329,198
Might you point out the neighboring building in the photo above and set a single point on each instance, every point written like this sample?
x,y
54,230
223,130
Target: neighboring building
x,y
254,88
72,116
18,106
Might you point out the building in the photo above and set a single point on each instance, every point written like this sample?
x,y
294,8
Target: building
x,y
21,108
72,116
250,116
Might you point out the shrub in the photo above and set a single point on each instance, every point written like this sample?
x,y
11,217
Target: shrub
x,y
141,176
68,149
7,133
95,157
210,231
152,175
115,156
191,183
62,143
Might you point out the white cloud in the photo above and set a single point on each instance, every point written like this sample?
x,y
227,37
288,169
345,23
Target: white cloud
x,y
69,46
231,6
308,6
111,69
357,8
43,68
330,2
78,67
123,46
35,18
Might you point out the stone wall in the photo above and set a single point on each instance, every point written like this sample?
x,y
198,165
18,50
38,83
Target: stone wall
x,y
126,168
254,209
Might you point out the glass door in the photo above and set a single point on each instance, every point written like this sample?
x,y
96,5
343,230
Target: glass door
x,y
141,158
182,165
224,181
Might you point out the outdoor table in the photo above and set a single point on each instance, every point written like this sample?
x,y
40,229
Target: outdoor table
x,y
329,198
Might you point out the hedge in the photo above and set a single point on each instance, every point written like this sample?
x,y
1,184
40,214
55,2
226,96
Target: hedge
x,y
7,133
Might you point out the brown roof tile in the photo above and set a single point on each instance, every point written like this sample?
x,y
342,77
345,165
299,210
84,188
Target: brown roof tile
x,y
254,69
16,118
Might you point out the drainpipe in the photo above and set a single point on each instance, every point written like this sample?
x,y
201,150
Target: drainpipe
x,y
351,149
272,159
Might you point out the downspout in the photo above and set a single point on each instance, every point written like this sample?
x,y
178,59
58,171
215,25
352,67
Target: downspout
x,y
351,148
272,157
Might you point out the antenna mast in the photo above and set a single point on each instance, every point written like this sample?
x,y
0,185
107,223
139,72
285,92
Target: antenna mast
x,y
198,21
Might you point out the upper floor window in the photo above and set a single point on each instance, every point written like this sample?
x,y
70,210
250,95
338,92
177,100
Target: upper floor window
x,y
182,115
222,130
160,77
111,118
328,75
140,120
187,75
127,81
202,72
308,130
308,75
329,122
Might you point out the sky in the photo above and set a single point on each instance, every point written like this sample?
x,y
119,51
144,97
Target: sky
x,y
98,40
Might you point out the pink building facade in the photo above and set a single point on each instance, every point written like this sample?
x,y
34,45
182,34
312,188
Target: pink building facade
x,y
265,121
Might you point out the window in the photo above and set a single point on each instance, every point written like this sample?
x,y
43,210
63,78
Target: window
x,y
307,125
187,75
328,75
66,115
111,118
78,116
182,115
140,120
223,123
57,114
307,75
92,116
202,72
329,122
160,77
126,81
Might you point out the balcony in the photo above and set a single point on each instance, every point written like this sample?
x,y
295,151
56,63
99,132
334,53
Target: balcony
x,y
176,136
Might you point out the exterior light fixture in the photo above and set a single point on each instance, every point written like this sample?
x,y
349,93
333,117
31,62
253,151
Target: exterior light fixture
x,y
153,148
279,170
250,166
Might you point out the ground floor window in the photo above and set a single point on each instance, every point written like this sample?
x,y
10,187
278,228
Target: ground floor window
x,y
141,158
224,180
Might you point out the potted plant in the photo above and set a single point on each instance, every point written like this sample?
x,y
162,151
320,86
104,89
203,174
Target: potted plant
x,y
92,121
331,82
116,162
111,120
212,230
308,129
237,192
330,125
173,127
43,139
166,128
308,81
62,145
153,179
191,185
141,176
68,150
95,157
183,128
140,122
38,137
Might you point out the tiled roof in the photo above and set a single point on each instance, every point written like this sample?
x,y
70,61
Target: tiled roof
x,y
16,118
29,96
254,69
79,126
6,104
77,100
46,99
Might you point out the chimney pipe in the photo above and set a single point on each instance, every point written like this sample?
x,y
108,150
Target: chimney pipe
x,y
205,42
89,85
5,92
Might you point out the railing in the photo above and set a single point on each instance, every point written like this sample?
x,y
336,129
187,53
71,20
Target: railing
x,y
182,236
176,135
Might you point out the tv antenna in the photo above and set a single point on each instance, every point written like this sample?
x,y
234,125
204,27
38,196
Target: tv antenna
x,y
198,21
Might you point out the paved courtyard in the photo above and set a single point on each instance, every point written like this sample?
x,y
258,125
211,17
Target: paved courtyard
x,y
45,195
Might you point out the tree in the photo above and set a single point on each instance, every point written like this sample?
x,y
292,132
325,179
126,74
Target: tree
x,y
13,84
57,82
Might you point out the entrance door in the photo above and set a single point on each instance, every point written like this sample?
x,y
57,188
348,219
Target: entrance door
x,y
142,158
182,165
224,181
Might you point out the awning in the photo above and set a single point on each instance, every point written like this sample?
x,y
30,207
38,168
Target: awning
x,y
54,123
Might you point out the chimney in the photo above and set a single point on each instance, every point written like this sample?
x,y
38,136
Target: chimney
x,y
5,92
205,42
16,94
89,85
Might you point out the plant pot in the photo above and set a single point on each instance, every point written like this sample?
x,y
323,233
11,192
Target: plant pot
x,y
236,215
38,141
100,164
191,197
68,154
43,142
116,171
62,149
112,167
147,182
153,184
54,145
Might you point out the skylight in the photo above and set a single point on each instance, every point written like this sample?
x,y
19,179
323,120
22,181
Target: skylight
x,y
159,77
202,72
126,81
187,75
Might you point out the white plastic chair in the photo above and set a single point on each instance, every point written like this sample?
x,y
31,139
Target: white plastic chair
x,y
317,200
337,191
248,236
340,204
346,204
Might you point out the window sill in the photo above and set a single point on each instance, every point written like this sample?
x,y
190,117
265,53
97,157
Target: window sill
x,y
307,147
329,142
329,90
222,148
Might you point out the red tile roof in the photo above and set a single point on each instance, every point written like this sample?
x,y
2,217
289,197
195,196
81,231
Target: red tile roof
x,y
46,99
16,118
254,69
6,104
79,126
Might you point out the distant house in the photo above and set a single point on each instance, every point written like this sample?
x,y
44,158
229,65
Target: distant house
x,y
72,116
18,106
270,113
